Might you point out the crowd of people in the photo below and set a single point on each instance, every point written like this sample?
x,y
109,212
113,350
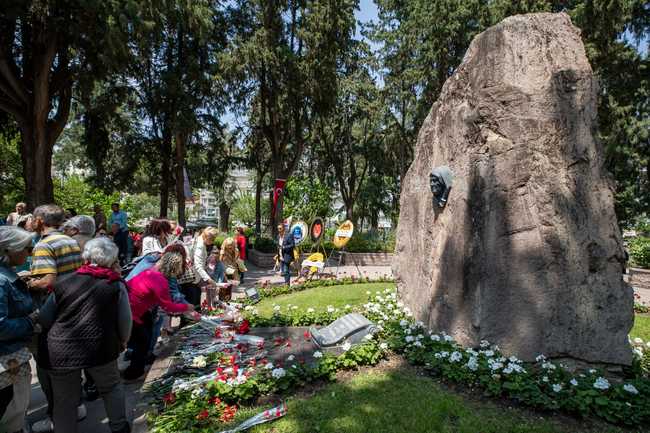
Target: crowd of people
x,y
72,297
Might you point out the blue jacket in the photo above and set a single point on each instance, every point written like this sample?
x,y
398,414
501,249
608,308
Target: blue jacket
x,y
15,305
147,262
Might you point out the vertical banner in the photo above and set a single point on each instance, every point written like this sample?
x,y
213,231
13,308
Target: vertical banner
x,y
186,186
277,194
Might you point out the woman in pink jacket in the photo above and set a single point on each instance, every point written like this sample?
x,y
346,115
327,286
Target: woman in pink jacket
x,y
147,290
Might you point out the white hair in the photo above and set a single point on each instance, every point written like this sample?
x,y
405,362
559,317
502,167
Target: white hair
x,y
14,239
101,252
84,224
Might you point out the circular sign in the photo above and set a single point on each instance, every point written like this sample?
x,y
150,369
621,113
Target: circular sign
x,y
316,231
343,234
299,232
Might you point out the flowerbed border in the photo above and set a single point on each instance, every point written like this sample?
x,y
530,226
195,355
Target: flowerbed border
x,y
542,384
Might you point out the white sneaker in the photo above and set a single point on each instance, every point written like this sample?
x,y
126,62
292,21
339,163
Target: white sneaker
x,y
43,426
81,412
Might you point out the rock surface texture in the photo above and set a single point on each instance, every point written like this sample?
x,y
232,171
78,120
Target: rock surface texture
x,y
527,253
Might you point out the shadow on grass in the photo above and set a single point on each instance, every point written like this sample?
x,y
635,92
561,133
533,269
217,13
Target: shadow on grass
x,y
397,401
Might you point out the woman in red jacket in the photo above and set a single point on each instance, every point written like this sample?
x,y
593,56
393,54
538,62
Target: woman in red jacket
x,y
148,289
241,245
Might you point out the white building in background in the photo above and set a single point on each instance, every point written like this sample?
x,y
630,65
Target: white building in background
x,y
208,206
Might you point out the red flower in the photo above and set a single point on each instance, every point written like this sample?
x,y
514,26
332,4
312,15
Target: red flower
x,y
169,398
203,415
307,335
215,401
244,327
229,413
217,333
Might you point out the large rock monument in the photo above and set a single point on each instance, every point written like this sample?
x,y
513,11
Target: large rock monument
x,y
526,253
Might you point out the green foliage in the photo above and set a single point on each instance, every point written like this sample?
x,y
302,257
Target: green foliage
x,y
243,209
307,198
73,192
265,245
77,193
12,186
640,251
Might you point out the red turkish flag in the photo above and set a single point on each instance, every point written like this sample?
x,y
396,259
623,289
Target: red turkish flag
x,y
277,193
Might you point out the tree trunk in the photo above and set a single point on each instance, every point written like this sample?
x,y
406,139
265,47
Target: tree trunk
x,y
36,154
224,217
180,178
258,204
165,172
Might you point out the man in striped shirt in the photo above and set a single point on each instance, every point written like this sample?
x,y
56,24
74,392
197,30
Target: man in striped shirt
x,y
55,254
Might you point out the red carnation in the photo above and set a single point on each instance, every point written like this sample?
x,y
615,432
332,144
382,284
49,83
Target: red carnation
x,y
203,415
169,398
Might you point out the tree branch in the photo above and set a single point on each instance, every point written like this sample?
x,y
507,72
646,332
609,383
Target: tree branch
x,y
61,118
9,75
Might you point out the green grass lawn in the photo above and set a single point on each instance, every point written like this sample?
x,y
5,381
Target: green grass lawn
x,y
641,327
401,401
321,297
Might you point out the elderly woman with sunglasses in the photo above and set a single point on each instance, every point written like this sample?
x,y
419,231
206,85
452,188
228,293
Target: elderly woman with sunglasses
x,y
88,322
17,325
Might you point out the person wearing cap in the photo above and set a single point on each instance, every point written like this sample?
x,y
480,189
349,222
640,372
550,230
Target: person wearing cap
x,y
18,322
81,228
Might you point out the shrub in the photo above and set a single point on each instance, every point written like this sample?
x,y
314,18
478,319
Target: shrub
x,y
640,252
265,245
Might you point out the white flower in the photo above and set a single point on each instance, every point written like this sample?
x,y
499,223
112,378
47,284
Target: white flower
x,y
383,346
420,324
557,387
294,307
514,359
409,338
310,310
330,309
573,382
630,388
368,337
449,338
549,366
269,366
435,337
540,358
403,323
592,371
278,373
291,358
637,340
545,379
347,306
419,337
638,352
248,308
648,344
455,357
417,343
197,393
400,304
318,354
368,292
601,383
472,364
489,353
484,344
346,346
199,361
276,308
